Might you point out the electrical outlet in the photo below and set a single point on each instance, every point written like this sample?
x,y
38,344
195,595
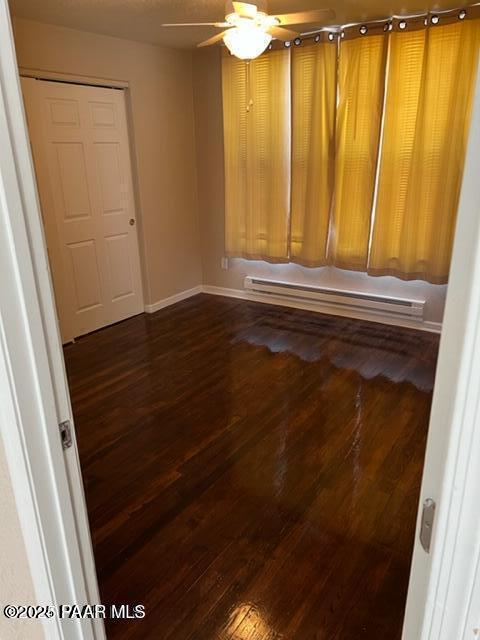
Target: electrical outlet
x,y
224,263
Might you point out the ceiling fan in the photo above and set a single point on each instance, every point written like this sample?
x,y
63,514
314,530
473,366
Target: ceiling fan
x,y
248,30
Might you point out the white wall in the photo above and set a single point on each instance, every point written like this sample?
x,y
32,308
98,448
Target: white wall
x,y
16,585
162,124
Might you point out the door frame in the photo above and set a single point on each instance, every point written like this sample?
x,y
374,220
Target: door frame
x,y
47,481
444,591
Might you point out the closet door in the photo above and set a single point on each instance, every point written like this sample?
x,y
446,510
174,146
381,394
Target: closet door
x,y
81,153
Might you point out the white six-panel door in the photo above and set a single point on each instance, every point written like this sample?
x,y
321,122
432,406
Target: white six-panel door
x,y
81,152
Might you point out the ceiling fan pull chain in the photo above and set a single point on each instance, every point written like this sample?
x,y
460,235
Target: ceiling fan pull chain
x,y
248,86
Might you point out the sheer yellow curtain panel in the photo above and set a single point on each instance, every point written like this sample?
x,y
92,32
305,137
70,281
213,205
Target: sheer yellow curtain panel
x,y
431,80
256,115
313,149
361,79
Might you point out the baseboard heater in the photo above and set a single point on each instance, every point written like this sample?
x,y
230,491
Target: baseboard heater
x,y
340,298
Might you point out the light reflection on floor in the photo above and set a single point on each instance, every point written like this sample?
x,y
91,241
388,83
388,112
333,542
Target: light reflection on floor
x,y
247,622
360,351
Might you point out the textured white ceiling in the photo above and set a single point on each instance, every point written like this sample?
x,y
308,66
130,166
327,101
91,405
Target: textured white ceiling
x,y
141,19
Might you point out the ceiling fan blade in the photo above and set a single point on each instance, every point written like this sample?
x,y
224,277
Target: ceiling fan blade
x,y
314,16
245,9
214,39
282,34
221,25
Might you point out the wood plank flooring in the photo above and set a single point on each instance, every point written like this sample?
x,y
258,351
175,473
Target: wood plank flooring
x,y
252,472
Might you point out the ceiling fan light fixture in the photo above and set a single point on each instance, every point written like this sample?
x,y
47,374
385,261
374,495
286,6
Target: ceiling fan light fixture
x,y
247,41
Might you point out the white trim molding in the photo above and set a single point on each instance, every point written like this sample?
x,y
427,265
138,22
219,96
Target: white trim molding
x,y
177,297
323,307
243,294
56,76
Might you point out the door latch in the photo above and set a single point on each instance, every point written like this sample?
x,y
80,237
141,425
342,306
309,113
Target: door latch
x,y
65,434
428,514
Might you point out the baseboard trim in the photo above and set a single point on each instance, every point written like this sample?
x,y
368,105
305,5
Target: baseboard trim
x,y
177,297
425,325
318,307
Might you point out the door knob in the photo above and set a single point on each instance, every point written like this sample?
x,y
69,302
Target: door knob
x,y
131,222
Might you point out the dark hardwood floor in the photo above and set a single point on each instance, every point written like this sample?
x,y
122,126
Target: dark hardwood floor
x,y
252,472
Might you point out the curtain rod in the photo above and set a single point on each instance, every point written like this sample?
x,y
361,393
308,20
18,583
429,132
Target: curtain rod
x,y
376,27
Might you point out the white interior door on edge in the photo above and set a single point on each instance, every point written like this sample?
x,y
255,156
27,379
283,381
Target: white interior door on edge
x,y
81,153
445,582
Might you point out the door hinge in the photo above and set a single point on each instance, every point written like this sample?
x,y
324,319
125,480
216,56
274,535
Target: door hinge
x,y
426,528
65,434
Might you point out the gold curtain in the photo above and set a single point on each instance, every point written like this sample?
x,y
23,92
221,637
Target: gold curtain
x,y
314,80
256,114
361,78
431,81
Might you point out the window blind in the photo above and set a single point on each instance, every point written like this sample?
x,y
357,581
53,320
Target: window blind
x,y
256,111
431,81
314,80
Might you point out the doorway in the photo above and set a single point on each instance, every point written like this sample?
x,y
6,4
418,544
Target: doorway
x,y
80,145
458,344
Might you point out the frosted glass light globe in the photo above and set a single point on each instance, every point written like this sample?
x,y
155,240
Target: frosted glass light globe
x,y
247,42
